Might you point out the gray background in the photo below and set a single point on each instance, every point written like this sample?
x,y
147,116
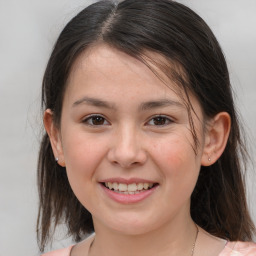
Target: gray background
x,y
28,30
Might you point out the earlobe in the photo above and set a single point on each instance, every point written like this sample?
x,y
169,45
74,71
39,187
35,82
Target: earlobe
x,y
54,135
216,137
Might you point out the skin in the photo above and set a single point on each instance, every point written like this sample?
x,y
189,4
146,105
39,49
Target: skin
x,y
126,140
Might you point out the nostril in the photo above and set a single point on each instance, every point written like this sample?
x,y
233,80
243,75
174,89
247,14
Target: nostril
x,y
125,164
127,158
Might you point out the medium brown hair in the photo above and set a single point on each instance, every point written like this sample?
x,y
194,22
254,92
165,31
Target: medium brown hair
x,y
218,203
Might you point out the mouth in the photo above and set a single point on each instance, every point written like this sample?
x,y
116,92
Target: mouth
x,y
129,189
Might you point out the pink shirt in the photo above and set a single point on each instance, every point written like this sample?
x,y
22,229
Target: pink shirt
x,y
60,252
231,249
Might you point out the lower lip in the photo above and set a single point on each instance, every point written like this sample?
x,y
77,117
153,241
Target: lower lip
x,y
128,198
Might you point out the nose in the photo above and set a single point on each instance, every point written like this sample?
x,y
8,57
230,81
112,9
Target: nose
x,y
126,148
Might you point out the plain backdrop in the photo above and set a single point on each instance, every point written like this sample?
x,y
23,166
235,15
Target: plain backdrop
x,y
28,30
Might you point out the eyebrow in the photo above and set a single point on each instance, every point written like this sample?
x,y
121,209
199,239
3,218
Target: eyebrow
x,y
143,106
93,102
159,103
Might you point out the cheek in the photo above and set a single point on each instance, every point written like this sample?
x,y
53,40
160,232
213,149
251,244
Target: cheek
x,y
82,154
82,157
177,161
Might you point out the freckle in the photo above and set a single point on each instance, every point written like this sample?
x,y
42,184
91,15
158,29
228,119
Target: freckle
x,y
154,145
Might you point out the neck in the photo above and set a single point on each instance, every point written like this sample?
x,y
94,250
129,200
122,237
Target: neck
x,y
174,239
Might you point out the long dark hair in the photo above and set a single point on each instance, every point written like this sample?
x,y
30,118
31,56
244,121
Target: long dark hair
x,y
218,203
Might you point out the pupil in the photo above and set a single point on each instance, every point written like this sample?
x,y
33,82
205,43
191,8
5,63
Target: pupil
x,y
98,120
159,120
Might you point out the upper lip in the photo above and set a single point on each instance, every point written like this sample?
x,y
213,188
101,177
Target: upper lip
x,y
127,181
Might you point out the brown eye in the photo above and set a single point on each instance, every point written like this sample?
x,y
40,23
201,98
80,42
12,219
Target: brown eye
x,y
95,120
160,121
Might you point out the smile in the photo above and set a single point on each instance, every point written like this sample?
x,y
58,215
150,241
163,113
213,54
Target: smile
x,y
128,188
125,192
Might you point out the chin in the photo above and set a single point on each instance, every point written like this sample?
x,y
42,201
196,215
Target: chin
x,y
130,230
131,226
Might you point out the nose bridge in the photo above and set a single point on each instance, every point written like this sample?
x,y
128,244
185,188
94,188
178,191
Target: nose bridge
x,y
127,146
128,139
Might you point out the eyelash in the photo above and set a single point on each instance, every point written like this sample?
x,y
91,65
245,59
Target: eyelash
x,y
163,117
90,119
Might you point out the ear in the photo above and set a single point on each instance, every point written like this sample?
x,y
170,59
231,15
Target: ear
x,y
216,137
55,138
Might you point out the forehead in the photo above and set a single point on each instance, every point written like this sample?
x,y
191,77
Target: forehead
x,y
103,69
103,59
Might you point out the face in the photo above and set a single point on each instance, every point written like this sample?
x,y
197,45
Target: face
x,y
126,142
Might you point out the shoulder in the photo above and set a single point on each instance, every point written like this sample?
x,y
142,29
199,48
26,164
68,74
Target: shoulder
x,y
77,249
60,252
239,249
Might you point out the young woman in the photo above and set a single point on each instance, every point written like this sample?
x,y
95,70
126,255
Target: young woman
x,y
143,146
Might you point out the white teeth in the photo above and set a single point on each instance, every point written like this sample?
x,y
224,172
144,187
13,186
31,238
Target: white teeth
x,y
145,186
122,187
140,186
130,188
110,185
115,186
